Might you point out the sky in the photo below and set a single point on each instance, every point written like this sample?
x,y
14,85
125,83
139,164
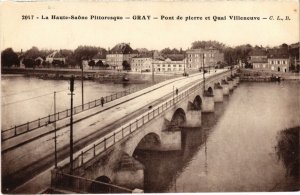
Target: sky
x,y
151,34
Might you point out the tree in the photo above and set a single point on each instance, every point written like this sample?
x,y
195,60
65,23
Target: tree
x,y
166,51
207,44
126,65
29,63
33,53
99,63
92,63
9,58
86,53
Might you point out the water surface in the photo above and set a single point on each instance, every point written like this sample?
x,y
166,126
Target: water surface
x,y
235,148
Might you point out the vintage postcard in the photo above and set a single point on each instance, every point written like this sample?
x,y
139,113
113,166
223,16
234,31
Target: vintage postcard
x,y
149,96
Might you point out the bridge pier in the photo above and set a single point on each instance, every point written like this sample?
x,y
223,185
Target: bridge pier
x,y
208,103
218,93
130,173
193,118
170,140
234,82
230,84
237,80
225,87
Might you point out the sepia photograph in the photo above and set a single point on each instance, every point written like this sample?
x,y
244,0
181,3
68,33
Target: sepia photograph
x,y
181,96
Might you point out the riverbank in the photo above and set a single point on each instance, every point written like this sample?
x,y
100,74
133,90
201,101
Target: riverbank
x,y
266,76
102,76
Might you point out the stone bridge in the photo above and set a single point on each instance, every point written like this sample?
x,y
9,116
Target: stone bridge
x,y
112,157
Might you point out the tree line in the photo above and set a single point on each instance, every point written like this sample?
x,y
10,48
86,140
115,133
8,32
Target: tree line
x,y
34,57
232,55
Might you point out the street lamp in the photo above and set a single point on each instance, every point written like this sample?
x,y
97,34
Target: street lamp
x,y
209,64
82,101
203,72
55,137
71,123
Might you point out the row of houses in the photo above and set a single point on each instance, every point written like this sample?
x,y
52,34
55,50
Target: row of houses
x,y
54,57
274,60
194,59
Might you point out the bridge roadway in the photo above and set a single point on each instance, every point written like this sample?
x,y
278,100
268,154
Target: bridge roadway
x,y
34,157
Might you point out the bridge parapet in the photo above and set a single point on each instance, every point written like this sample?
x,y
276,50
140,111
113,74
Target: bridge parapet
x,y
18,130
78,184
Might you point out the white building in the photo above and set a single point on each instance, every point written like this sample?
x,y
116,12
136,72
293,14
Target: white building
x,y
168,65
141,63
55,56
279,64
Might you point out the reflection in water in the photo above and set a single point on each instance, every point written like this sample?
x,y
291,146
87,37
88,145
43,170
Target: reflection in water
x,y
163,168
287,150
234,148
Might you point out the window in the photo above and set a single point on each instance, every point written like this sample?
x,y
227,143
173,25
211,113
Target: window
x,y
283,62
174,65
278,62
169,65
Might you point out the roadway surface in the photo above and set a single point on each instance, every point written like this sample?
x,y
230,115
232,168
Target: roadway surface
x,y
27,160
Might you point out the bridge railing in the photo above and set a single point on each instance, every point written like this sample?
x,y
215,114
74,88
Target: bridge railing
x,y
78,184
89,153
47,120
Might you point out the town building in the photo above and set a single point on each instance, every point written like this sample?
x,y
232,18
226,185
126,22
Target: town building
x,y
274,60
141,63
100,56
55,56
169,65
199,58
259,59
279,63
39,61
120,54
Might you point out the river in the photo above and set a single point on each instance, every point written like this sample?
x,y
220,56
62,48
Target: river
x,y
26,99
234,151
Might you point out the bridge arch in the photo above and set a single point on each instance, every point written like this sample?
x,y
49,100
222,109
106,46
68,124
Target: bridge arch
x,y
210,91
178,118
197,103
100,188
218,82
149,141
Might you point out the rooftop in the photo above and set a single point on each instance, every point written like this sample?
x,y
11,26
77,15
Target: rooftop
x,y
122,48
55,54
